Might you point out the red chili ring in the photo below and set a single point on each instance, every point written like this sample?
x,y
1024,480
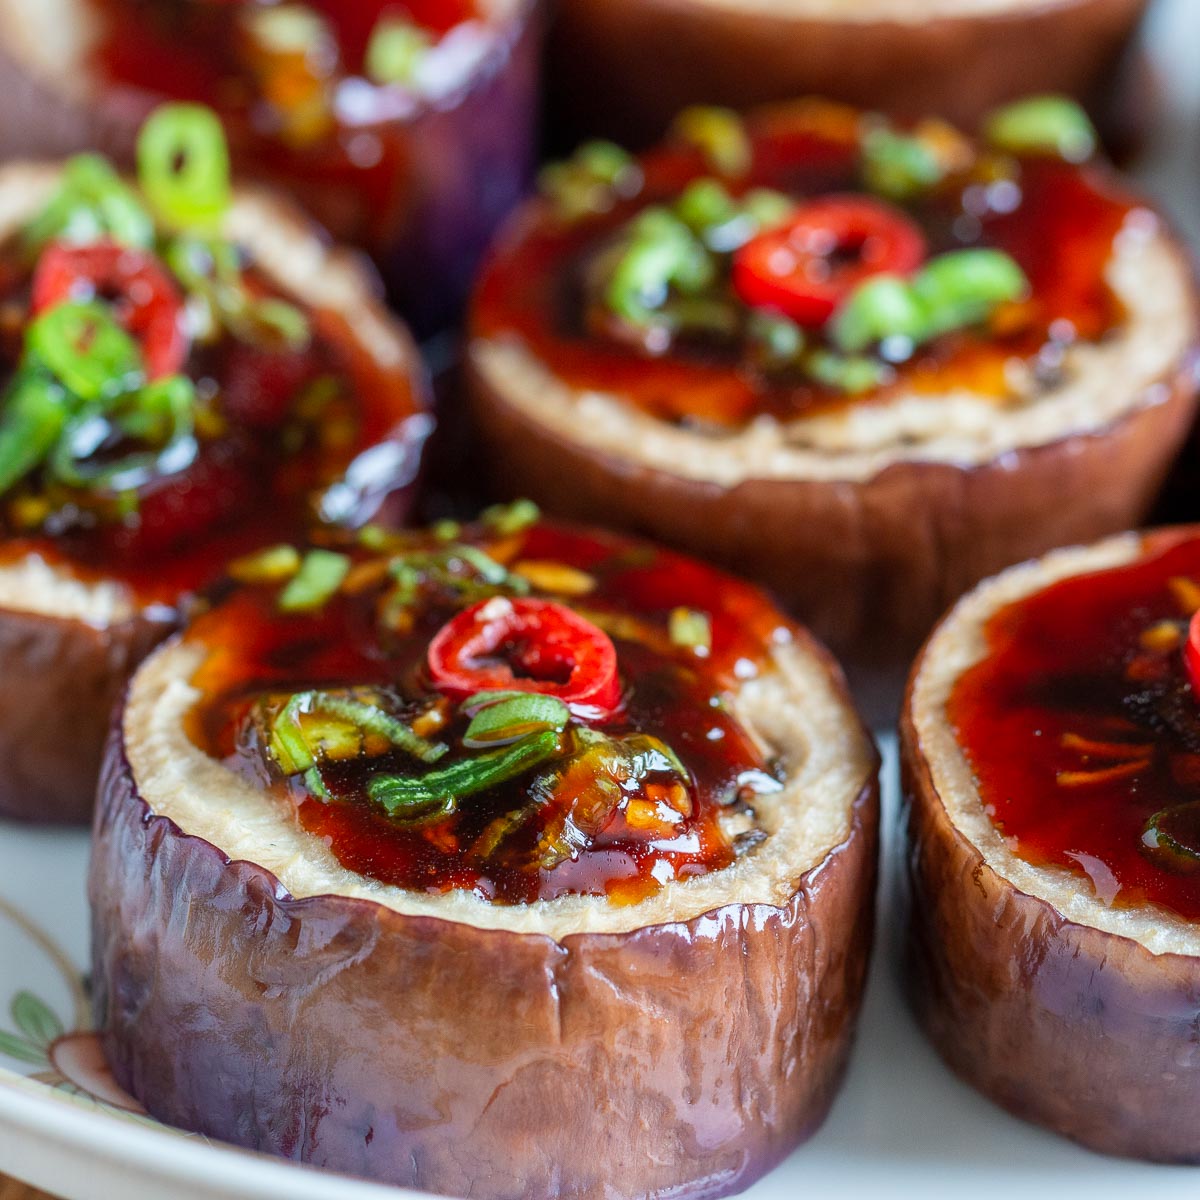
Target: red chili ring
x,y
528,646
805,269
145,298
1191,654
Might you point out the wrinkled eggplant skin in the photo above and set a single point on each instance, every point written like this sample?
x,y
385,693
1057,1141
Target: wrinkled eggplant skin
x,y
468,160
61,679
684,1059
867,565
646,59
1084,1032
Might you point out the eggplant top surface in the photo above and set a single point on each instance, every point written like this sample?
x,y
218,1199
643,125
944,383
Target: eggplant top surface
x,y
99,542
686,376
1055,713
746,722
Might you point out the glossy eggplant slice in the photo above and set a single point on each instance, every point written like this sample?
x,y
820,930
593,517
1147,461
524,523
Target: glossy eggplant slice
x,y
623,957
1050,751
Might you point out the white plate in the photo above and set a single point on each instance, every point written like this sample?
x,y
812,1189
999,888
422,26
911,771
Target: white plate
x,y
903,1125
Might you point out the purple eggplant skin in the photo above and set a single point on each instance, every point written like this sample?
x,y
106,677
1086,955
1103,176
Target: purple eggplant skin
x,y
468,159
59,680
60,677
472,162
1084,1032
684,1059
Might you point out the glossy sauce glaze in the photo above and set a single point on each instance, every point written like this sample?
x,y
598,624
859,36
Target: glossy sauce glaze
x,y
1083,730
669,691
1057,220
323,129
265,473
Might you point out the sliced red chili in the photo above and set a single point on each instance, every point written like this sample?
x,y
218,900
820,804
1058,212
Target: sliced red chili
x,y
1191,654
531,646
143,295
805,269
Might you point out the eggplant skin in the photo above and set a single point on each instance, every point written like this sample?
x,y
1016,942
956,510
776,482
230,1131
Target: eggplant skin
x,y
61,679
646,59
1085,1032
467,158
682,1059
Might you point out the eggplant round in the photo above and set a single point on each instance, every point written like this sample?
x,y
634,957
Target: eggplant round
x,y
254,989
624,68
65,664
466,155
1068,1009
867,520
71,636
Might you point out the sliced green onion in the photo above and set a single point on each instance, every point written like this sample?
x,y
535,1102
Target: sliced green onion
x,y
705,203
395,51
272,320
446,530
720,134
92,202
511,716
438,568
302,733
435,795
708,209
965,286
952,291
703,314
484,565
321,573
898,166
604,160
287,743
767,207
210,270
661,253
852,374
375,537
881,307
1043,125
777,340
183,165
316,785
374,720
590,181
162,413
630,758
507,519
691,629
84,346
34,414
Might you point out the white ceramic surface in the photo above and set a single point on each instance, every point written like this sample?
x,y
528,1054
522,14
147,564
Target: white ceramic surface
x,y
902,1126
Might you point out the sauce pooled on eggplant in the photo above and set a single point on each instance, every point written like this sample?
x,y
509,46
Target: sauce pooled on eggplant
x,y
511,708
1082,725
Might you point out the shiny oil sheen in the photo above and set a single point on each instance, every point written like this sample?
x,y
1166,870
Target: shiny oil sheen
x,y
1080,725
670,692
260,486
